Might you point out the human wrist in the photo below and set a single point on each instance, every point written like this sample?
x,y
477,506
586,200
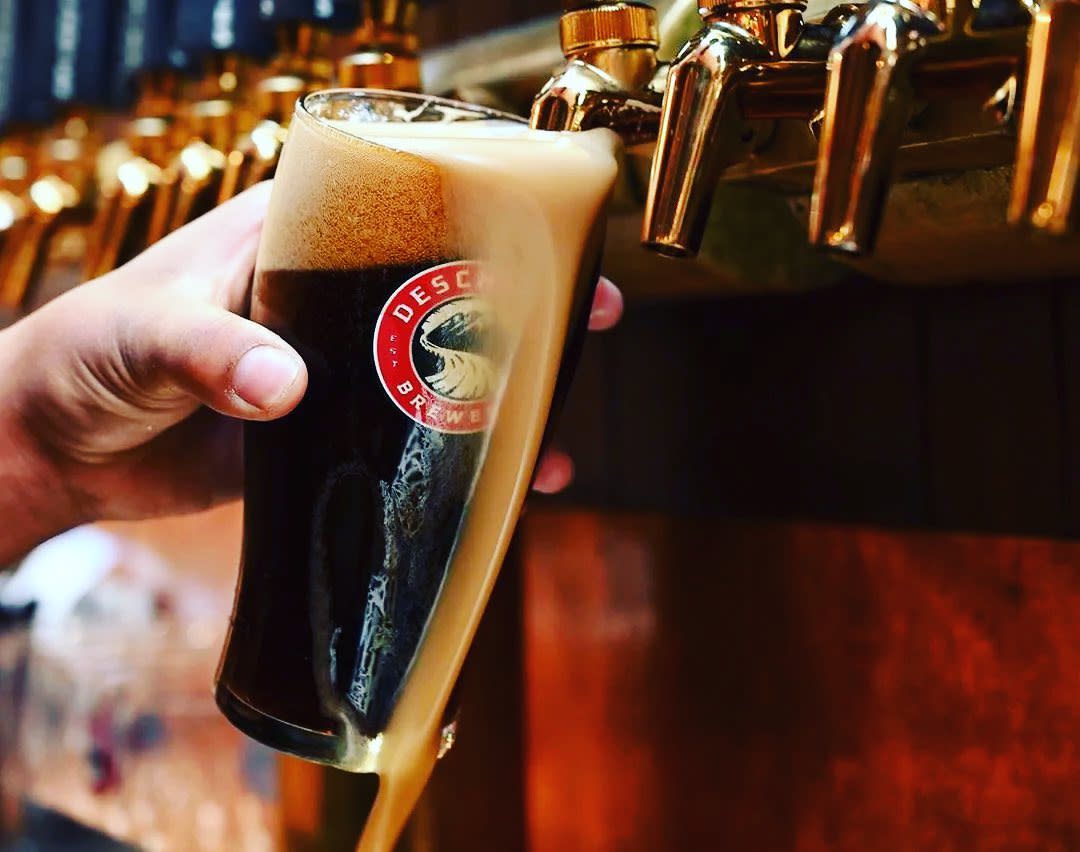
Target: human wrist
x,y
34,501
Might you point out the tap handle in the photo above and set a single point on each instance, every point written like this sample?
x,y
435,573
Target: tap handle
x,y
27,46
59,54
610,50
868,100
232,26
82,65
145,43
29,29
329,14
701,134
1048,152
611,61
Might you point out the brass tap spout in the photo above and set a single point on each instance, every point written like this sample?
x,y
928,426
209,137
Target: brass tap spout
x,y
880,64
611,78
18,164
867,105
192,182
58,206
303,50
703,130
384,47
256,154
132,179
1048,153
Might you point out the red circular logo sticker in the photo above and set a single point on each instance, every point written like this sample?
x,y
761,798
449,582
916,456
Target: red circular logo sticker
x,y
433,348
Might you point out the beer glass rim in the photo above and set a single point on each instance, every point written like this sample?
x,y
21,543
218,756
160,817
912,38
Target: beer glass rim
x,y
454,110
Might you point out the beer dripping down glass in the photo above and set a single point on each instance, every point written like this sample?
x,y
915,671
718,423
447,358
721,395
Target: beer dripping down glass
x,y
434,263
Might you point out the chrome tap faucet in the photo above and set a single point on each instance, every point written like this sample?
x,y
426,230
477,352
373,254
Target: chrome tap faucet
x,y
702,130
835,108
1048,152
611,77
763,51
887,60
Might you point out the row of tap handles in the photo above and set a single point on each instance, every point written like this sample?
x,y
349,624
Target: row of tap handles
x,y
122,121
834,107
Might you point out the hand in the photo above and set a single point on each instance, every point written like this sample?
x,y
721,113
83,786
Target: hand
x,y
112,396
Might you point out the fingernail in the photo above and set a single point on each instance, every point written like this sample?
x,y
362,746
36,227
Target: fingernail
x,y
263,375
601,319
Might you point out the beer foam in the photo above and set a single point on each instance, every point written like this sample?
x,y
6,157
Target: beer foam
x,y
343,181
334,195
527,204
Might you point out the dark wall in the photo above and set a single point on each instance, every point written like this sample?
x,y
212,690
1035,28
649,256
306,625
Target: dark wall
x,y
448,21
946,409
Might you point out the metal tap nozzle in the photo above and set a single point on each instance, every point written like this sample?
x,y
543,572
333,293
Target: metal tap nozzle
x,y
384,54
875,72
59,204
192,181
610,77
131,182
868,102
18,155
1048,152
702,130
255,156
303,50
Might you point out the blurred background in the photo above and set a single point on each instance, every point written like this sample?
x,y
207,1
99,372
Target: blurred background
x,y
816,585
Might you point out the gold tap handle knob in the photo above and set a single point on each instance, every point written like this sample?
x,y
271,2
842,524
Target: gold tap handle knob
x,y
609,25
275,97
1048,150
380,69
868,100
13,223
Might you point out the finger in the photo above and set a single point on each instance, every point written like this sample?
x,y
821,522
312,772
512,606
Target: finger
x,y
228,363
555,472
192,466
607,306
211,257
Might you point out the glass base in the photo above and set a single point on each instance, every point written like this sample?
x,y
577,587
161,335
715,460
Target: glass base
x,y
317,746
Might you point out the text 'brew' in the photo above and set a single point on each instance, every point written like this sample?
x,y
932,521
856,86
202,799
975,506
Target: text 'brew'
x,y
431,262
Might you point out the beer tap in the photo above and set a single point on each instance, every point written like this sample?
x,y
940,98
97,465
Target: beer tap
x,y
383,47
26,45
230,38
132,170
893,54
830,109
1048,153
750,64
305,31
611,77
382,54
46,258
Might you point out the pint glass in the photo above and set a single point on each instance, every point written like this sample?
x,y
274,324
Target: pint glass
x,y
433,262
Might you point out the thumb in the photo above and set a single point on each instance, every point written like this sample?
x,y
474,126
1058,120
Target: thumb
x,y
226,362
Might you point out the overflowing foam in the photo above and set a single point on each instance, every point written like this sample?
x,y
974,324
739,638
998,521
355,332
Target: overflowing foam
x,y
346,179
338,191
524,202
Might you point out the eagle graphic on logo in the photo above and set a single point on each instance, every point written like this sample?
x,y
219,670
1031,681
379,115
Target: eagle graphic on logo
x,y
435,348
456,336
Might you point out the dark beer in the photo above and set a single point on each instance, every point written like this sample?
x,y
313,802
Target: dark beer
x,y
432,275
323,491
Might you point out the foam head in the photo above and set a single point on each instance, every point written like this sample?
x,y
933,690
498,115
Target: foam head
x,y
354,190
